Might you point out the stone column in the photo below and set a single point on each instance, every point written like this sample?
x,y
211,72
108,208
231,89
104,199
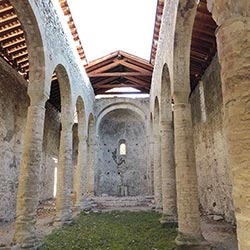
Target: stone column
x,y
168,174
64,176
28,189
189,236
233,43
151,156
80,172
157,170
91,166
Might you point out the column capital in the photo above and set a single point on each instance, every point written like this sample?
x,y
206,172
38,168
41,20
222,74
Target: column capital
x,y
223,10
38,99
67,126
181,97
83,138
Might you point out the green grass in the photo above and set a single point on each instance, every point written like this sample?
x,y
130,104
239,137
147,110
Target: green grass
x,y
113,231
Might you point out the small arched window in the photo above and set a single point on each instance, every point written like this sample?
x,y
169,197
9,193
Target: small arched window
x,y
122,147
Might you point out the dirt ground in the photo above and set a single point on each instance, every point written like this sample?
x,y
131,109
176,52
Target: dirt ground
x,y
213,231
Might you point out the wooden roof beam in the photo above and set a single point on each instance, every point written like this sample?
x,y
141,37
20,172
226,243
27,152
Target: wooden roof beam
x,y
14,43
121,93
9,28
134,67
119,74
139,82
17,48
110,86
107,67
21,54
104,81
11,18
6,8
14,34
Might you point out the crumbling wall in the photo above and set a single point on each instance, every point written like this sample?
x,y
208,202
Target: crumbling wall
x,y
210,146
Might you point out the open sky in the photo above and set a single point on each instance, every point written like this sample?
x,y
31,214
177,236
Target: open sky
x,y
105,26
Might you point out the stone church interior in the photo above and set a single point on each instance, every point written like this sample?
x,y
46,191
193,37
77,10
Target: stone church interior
x,y
71,142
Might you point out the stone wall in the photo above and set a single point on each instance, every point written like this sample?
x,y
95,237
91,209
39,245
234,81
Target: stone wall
x,y
13,111
210,147
14,103
117,174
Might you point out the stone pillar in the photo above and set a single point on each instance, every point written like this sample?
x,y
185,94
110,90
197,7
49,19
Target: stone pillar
x,y
80,172
168,174
233,38
157,169
91,166
233,43
151,157
64,176
186,178
28,189
149,164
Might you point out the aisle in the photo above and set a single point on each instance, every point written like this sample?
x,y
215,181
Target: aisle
x,y
113,231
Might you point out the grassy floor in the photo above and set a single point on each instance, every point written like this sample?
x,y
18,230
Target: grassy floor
x,y
113,231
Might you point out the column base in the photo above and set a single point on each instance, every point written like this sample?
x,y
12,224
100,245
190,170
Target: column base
x,y
158,208
63,219
77,209
86,205
187,242
168,221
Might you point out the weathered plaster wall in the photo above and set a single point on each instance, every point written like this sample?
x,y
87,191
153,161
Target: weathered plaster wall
x,y
127,175
13,111
14,103
210,147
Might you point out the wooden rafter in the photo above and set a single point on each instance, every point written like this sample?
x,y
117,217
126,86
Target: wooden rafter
x,y
119,69
203,44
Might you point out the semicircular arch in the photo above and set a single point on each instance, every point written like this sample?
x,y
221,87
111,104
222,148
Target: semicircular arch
x,y
35,46
182,40
110,108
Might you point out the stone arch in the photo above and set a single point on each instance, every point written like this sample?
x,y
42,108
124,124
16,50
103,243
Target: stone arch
x,y
65,94
182,37
35,47
112,107
81,116
166,113
156,116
